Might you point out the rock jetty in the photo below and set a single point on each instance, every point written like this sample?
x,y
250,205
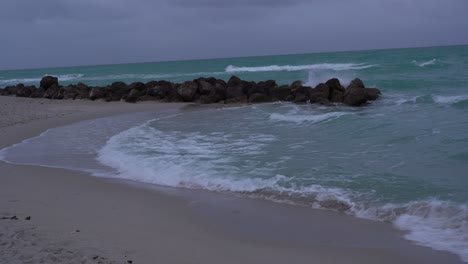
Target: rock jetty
x,y
204,91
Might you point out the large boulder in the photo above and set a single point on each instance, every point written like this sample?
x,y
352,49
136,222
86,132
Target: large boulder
x,y
320,93
117,91
205,87
48,81
137,90
263,88
296,85
9,90
355,94
372,94
52,92
281,93
216,95
356,83
335,84
235,94
70,92
96,93
160,90
188,91
259,98
82,91
38,93
302,94
24,91
234,81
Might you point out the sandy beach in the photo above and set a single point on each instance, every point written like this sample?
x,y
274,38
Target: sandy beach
x,y
77,218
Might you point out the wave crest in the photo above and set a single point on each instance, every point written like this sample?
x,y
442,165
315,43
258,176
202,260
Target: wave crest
x,y
425,63
320,66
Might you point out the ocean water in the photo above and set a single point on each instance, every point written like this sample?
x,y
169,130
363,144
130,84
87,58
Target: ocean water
x,y
403,159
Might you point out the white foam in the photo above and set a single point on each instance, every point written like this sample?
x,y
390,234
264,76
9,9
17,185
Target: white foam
x,y
453,99
314,118
425,63
440,225
185,159
320,66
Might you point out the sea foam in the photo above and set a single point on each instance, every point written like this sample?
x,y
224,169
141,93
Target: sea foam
x,y
450,99
320,66
313,118
425,63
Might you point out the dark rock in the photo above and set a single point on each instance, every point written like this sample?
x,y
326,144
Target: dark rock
x,y
69,92
159,83
335,85
188,91
234,81
248,87
38,93
27,218
263,87
48,81
139,86
235,94
216,95
355,95
23,91
97,93
259,98
356,83
337,96
159,92
372,94
117,91
205,87
82,91
296,85
282,93
52,92
138,90
302,94
10,90
133,96
320,93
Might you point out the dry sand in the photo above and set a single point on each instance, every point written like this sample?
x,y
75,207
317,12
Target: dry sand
x,y
76,218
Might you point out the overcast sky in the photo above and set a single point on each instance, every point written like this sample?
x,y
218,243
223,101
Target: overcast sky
x,y
45,33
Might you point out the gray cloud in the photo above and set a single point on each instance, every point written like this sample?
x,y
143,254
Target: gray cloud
x,y
67,32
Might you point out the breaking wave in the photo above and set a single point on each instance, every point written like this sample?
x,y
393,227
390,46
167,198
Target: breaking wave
x,y
451,99
425,63
297,118
320,66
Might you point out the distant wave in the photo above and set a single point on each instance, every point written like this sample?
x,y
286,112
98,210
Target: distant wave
x,y
153,76
320,66
123,77
425,63
64,77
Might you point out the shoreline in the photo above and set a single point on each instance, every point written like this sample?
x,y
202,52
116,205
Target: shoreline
x,y
123,221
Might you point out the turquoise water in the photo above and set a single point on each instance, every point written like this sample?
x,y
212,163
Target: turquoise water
x,y
402,159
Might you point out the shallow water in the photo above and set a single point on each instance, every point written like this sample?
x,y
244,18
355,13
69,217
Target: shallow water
x,y
403,159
